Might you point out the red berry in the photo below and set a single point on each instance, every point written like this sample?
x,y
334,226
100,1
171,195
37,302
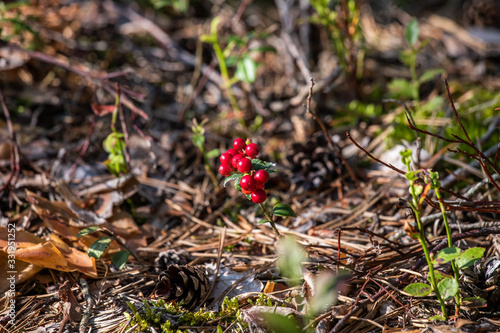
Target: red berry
x,y
259,196
260,185
261,176
239,144
225,169
252,150
244,165
236,158
232,152
247,183
226,158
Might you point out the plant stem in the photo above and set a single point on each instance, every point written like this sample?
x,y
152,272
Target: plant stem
x,y
450,244
415,205
270,219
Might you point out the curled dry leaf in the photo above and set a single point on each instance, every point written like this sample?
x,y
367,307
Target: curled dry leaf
x,y
54,253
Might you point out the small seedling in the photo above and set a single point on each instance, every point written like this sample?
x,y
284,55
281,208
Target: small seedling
x,y
250,176
198,138
98,248
445,287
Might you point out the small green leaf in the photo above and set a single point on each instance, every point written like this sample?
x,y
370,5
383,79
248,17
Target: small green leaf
x,y
439,276
429,75
446,255
87,231
437,318
213,153
120,259
283,210
435,103
246,70
418,289
99,246
290,258
412,31
263,165
400,89
469,257
448,288
236,177
263,221
278,323
474,302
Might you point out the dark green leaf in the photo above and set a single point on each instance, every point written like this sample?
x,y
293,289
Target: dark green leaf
x,y
469,257
278,323
446,255
87,231
283,210
474,302
263,221
262,49
120,259
412,31
236,177
448,288
418,289
439,276
263,165
99,246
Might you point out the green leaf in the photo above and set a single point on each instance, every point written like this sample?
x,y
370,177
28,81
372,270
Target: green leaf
x,y
439,276
120,259
474,302
99,246
262,49
290,258
446,255
213,153
469,257
400,89
263,221
263,165
278,323
433,104
326,285
429,75
236,176
437,318
412,31
448,288
418,289
246,70
87,231
283,210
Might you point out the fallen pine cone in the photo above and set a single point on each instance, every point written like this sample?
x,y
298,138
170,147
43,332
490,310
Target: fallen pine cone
x,y
185,283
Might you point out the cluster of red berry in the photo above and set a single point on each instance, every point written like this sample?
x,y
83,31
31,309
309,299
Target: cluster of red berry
x,y
239,158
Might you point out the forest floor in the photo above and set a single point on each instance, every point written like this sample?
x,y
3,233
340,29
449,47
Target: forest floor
x,y
114,217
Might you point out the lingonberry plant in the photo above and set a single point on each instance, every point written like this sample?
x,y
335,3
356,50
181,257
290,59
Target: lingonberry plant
x,y
250,176
444,286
